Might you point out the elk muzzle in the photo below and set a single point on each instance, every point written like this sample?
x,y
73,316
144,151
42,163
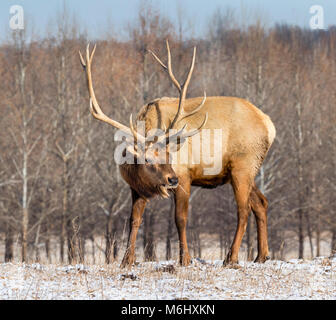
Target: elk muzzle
x,y
173,182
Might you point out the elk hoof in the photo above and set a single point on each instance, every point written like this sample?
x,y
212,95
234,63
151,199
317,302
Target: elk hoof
x,y
128,261
229,263
262,259
185,260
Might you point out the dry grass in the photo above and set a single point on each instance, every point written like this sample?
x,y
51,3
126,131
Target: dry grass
x,y
296,279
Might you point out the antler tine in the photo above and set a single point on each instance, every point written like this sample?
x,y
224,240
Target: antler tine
x,y
94,106
194,132
183,94
93,52
189,114
133,130
184,135
158,60
82,60
170,69
181,88
178,134
186,82
181,114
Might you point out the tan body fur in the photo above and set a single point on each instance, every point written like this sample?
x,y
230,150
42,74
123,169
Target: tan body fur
x,y
232,115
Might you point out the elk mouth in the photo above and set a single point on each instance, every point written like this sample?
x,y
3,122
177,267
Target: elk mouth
x,y
165,188
170,186
163,191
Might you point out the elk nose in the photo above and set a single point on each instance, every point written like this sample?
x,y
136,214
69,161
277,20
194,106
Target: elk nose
x,y
173,182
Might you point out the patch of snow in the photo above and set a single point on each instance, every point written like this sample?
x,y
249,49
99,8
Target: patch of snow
x,y
203,279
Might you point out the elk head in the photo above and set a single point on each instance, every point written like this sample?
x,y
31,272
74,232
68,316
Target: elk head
x,y
151,173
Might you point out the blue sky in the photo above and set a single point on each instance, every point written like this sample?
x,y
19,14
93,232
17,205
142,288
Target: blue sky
x,y
100,15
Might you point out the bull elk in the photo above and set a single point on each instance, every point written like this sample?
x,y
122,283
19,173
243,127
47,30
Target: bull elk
x,y
247,135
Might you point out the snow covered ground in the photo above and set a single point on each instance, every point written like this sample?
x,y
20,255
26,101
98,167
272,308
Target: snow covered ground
x,y
295,279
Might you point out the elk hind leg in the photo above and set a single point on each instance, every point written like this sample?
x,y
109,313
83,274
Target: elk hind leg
x,y
242,186
259,206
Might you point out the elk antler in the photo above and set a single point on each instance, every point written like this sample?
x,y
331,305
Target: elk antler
x,y
182,89
94,106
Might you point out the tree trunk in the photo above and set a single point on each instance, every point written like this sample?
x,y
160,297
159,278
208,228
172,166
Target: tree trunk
x,y
301,235
36,244
318,242
111,241
71,241
333,242
81,249
67,229
318,235
195,233
47,242
310,236
93,249
193,226
25,216
221,244
24,235
282,251
149,245
299,161
62,240
115,241
64,210
199,245
108,238
25,148
9,244
169,230
111,246
47,249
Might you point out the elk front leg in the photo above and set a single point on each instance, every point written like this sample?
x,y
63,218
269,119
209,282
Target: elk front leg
x,y
181,216
138,207
242,188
